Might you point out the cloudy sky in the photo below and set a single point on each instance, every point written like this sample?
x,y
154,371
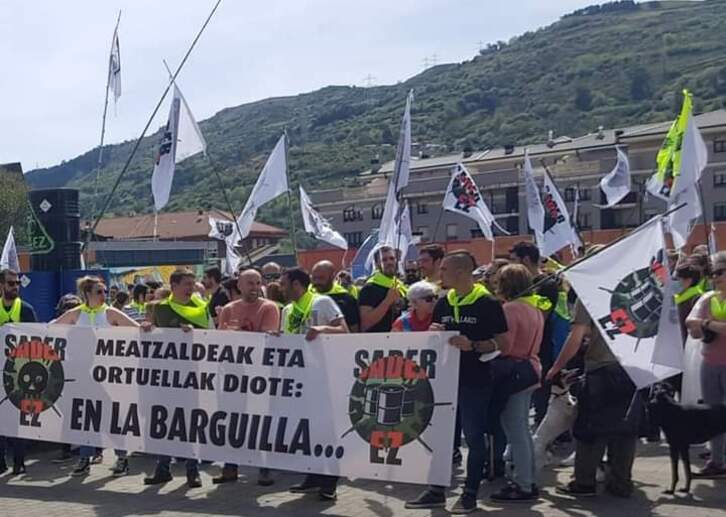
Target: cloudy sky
x,y
54,56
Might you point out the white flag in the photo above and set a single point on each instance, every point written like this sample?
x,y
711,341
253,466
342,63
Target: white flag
x,y
558,231
463,197
694,158
271,183
622,289
535,210
225,230
616,185
318,225
180,139
712,239
9,258
114,67
390,220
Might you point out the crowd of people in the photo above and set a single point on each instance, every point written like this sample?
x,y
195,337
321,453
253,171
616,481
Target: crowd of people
x,y
518,326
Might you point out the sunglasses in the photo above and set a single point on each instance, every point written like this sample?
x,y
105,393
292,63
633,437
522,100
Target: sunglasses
x,y
100,291
271,276
412,271
718,273
12,283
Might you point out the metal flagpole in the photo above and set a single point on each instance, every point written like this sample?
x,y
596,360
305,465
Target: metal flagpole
x,y
289,197
156,224
606,246
103,120
135,148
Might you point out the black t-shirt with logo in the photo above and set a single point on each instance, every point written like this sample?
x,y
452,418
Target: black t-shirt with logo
x,y
348,306
478,321
372,295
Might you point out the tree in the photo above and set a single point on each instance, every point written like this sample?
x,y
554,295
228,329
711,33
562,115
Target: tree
x,y
640,87
583,98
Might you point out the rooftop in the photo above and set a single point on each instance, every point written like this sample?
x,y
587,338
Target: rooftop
x,y
174,226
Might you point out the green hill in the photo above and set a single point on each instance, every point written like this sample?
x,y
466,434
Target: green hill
x,y
611,65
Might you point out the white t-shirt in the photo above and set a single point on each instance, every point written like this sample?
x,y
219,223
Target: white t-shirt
x,y
323,312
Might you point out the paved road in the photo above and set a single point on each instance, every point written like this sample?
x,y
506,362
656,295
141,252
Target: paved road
x,y
47,491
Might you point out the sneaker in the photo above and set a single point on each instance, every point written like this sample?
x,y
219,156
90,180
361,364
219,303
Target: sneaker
x,y
710,471
427,499
228,475
18,468
83,468
120,468
513,493
193,479
576,490
327,494
160,476
97,459
306,487
64,457
456,458
264,478
3,467
464,505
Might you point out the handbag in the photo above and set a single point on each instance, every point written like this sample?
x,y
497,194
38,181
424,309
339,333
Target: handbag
x,y
512,375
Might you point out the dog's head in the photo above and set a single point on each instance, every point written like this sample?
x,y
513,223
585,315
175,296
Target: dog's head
x,y
661,397
564,379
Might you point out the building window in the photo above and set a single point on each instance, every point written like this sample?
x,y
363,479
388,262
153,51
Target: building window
x,y
719,212
570,194
423,231
354,238
352,214
377,211
476,233
719,146
583,221
422,208
719,179
452,232
511,224
585,194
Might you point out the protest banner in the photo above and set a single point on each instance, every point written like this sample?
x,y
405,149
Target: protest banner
x,y
379,406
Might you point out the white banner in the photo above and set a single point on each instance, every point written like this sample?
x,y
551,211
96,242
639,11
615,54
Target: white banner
x,y
623,288
378,406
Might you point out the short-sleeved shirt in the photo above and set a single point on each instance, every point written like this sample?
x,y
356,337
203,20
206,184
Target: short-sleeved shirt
x,y
219,299
323,312
598,353
261,316
372,295
479,321
348,306
714,353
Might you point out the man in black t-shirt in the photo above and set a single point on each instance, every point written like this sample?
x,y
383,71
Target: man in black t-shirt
x,y
13,310
212,281
322,281
478,316
381,298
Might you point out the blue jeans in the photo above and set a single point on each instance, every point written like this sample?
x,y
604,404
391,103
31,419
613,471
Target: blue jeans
x,y
515,422
164,462
87,451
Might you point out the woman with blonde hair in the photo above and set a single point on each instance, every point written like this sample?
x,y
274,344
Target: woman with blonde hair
x,y
95,312
520,360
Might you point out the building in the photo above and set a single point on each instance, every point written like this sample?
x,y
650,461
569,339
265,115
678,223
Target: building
x,y
182,238
576,164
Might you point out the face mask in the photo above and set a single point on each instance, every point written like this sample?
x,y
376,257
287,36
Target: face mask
x,y
677,285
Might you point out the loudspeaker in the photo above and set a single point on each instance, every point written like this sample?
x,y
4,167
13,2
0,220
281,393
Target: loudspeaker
x,y
58,210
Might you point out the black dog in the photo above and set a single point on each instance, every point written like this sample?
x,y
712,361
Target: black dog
x,y
683,426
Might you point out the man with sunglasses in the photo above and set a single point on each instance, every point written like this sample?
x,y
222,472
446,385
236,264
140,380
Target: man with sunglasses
x,y
13,310
271,272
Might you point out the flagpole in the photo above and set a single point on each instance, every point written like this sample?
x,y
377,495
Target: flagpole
x,y
597,252
707,226
289,196
494,247
135,148
156,224
103,120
